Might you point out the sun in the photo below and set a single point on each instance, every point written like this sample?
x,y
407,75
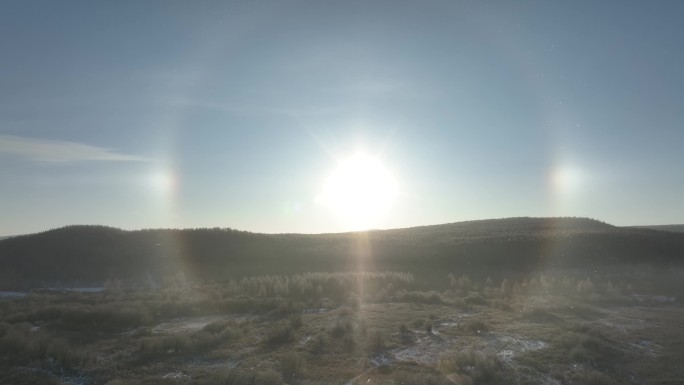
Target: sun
x,y
359,191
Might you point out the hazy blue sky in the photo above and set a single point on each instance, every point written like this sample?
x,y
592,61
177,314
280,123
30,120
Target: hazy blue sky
x,y
140,114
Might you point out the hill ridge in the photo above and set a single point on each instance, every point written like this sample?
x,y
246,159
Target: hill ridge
x,y
549,220
90,254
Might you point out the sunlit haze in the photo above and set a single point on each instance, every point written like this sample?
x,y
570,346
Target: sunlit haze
x,y
289,116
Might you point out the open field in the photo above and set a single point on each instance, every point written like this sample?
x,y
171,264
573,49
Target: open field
x,y
347,328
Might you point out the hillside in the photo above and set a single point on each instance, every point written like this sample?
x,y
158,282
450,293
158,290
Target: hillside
x,y
672,228
88,255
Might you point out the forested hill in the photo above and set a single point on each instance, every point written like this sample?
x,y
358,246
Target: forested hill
x,y
88,255
673,228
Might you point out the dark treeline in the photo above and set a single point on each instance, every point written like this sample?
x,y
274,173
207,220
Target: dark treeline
x,y
89,255
672,228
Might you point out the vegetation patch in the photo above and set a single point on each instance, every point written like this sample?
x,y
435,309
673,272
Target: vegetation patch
x,y
383,328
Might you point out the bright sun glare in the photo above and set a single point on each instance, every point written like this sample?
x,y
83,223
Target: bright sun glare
x,y
359,191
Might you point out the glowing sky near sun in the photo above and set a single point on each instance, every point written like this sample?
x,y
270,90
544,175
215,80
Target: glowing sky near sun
x,y
359,192
255,115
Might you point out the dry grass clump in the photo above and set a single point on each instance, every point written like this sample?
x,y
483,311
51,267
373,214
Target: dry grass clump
x,y
475,298
203,340
474,325
319,343
539,315
105,317
291,365
419,378
480,367
243,377
592,377
429,297
21,344
377,341
24,376
281,333
343,326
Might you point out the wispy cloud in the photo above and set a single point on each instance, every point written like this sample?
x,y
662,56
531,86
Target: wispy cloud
x,y
59,151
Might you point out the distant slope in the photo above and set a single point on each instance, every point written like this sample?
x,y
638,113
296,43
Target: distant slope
x,y
671,228
88,255
511,227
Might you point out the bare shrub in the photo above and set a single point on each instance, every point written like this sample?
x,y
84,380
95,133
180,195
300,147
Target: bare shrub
x,y
281,333
593,377
244,377
463,282
539,315
291,364
501,305
377,341
430,297
174,344
585,287
343,326
428,326
105,317
419,378
21,346
319,343
13,342
474,298
613,290
21,376
475,325
66,356
584,344
295,321
348,342
16,318
506,289
202,341
480,367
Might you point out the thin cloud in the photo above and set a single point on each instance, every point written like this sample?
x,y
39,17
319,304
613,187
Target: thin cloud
x,y
59,151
